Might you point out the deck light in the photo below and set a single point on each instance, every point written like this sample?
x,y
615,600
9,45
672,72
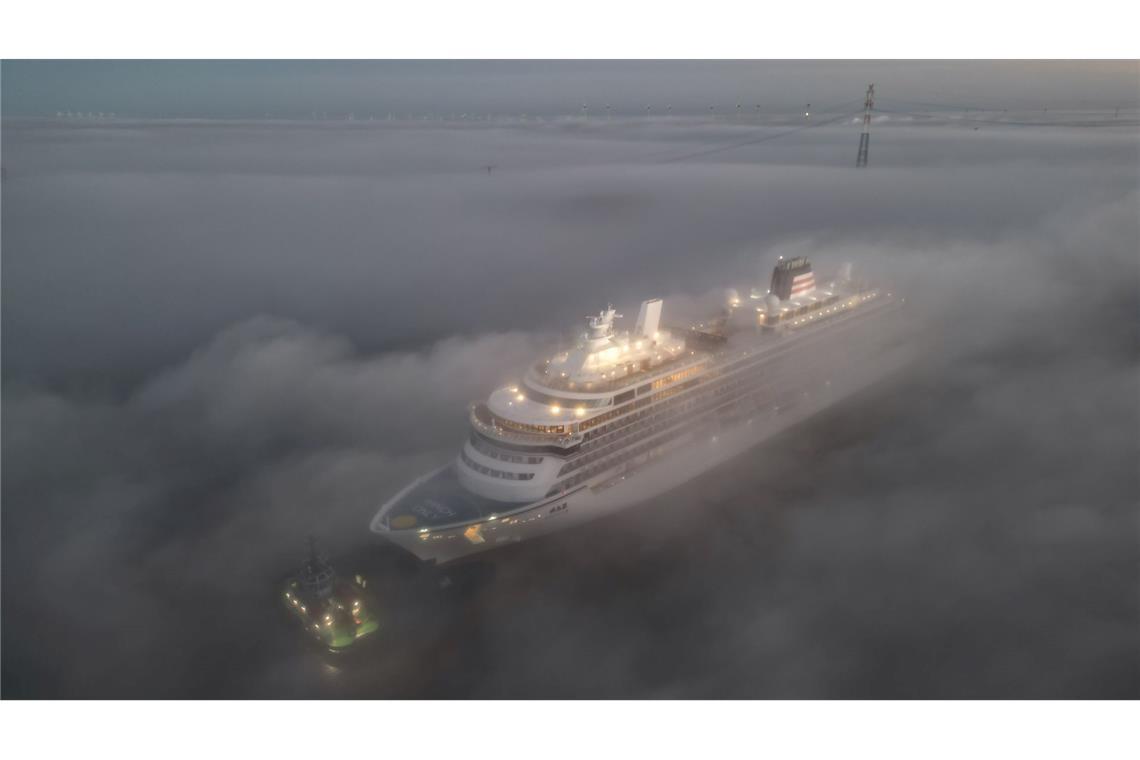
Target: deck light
x,y
555,409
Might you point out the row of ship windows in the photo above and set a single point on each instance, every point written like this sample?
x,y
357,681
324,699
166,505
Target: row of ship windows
x,y
495,453
782,400
675,377
659,419
678,417
588,473
494,473
633,422
616,427
639,404
524,428
622,428
644,389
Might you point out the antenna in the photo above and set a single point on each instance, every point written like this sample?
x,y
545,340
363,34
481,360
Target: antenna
x,y
865,138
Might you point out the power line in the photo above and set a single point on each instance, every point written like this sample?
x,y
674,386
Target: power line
x,y
760,139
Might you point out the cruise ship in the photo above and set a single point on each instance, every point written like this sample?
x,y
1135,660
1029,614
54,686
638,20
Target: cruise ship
x,y
622,416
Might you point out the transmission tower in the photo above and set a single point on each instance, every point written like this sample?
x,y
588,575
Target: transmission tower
x,y
865,138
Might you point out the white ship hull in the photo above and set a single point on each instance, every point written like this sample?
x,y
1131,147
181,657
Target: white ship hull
x,y
678,460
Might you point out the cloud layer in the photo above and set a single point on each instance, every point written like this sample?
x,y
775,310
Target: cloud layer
x,y
219,338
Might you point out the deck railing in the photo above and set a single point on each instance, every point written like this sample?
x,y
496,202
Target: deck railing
x,y
483,420
547,378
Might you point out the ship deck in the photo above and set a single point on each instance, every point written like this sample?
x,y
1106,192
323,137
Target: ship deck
x,y
439,499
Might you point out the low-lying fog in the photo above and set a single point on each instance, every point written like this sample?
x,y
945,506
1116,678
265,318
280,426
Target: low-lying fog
x,y
221,336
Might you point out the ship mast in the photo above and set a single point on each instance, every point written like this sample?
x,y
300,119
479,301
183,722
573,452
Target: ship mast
x,y
317,575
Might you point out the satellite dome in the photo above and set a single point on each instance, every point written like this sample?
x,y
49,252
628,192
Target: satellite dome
x,y
773,303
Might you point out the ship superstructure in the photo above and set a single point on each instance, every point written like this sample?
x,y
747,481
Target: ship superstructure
x,y
621,416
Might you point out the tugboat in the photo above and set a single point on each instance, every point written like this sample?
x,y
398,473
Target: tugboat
x,y
335,611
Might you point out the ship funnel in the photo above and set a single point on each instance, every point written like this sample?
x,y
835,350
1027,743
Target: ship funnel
x,y
792,277
649,318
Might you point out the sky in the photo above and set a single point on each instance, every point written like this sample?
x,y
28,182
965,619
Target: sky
x,y
221,334
300,89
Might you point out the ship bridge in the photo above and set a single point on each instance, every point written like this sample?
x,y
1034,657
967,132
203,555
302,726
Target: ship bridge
x,y
603,359
582,382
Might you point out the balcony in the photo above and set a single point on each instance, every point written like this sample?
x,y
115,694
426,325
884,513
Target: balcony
x,y
483,420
